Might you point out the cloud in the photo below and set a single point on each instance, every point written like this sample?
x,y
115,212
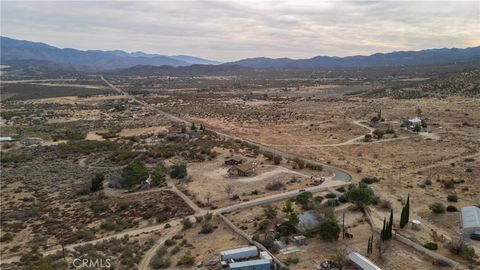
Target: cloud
x,y
228,30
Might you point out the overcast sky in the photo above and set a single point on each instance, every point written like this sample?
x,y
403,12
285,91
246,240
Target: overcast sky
x,y
231,30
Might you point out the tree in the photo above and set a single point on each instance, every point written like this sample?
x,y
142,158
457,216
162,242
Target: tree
x,y
159,176
303,199
97,182
329,230
378,134
178,171
270,211
293,218
367,138
361,196
404,216
193,127
134,174
383,234
288,207
390,225
229,190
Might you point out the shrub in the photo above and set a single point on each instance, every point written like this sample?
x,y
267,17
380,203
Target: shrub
x,y
277,160
207,228
186,260
175,250
341,189
97,182
187,224
452,198
332,203
263,224
170,242
275,185
292,260
208,216
370,180
159,176
449,184
360,196
330,196
98,206
270,211
437,208
451,208
6,238
431,246
467,253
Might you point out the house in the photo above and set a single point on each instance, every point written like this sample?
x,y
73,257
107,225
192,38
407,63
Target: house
x,y
361,262
260,264
235,160
243,169
470,220
414,123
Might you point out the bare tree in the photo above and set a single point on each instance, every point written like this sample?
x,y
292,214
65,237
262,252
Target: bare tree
x,y
229,190
208,197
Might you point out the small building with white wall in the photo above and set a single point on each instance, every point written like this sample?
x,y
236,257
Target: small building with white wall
x,y
470,217
361,262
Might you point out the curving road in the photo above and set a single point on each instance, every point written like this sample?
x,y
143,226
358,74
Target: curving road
x,y
338,174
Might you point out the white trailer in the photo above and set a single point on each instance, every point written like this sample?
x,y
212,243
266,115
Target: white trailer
x,y
239,253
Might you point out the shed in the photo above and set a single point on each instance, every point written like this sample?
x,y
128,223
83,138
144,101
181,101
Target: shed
x,y
300,239
243,169
470,219
265,255
5,139
261,264
239,253
416,224
361,262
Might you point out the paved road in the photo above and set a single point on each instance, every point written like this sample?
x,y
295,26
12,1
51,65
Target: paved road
x,y
339,174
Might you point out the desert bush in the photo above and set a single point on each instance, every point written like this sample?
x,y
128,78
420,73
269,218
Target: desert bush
x,y
270,211
385,204
178,171
6,238
437,208
431,246
186,260
98,206
275,185
330,196
207,228
329,230
292,260
170,242
187,224
451,208
208,216
452,198
370,180
263,224
277,160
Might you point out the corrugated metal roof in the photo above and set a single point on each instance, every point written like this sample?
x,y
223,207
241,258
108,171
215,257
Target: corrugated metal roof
x,y
470,217
362,262
238,250
250,263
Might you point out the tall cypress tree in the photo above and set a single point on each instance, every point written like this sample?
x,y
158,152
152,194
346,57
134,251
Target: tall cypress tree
x,y
382,233
368,245
390,225
407,211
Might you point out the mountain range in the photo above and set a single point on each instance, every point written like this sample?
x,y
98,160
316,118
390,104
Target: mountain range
x,y
13,50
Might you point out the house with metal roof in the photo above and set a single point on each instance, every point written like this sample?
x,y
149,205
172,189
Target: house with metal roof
x,y
260,264
470,217
361,262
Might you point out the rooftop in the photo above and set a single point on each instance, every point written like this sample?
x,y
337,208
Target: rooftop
x,y
362,262
238,250
470,217
250,263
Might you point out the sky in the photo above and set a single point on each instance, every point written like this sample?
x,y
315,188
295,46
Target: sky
x,y
232,30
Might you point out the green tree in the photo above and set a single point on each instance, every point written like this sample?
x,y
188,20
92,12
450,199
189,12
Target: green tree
x,y
288,207
390,225
293,218
361,196
159,176
134,174
270,211
193,127
329,230
404,216
97,182
178,171
303,199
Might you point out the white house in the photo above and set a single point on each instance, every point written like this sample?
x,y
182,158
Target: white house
x,y
413,122
470,219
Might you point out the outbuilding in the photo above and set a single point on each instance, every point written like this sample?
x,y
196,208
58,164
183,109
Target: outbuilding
x,y
361,262
470,220
261,264
239,253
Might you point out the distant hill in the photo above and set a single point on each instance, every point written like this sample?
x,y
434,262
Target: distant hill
x,y
14,50
401,58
